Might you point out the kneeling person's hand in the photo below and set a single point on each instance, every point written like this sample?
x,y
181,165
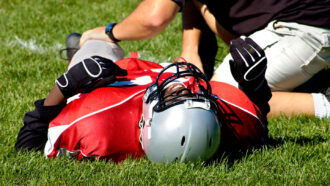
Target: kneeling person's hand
x,y
87,75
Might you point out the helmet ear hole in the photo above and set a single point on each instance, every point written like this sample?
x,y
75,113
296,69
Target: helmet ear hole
x,y
183,140
210,142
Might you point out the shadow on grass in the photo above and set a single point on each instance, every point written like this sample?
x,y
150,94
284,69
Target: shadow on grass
x,y
301,140
234,155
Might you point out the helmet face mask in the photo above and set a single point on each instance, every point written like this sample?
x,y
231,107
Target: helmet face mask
x,y
179,122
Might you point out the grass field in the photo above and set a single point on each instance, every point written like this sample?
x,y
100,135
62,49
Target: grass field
x,y
32,32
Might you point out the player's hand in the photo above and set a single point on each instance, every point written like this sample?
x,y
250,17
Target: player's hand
x,y
95,34
249,62
88,75
193,58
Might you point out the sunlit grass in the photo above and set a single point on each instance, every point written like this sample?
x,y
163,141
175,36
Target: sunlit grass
x,y
31,34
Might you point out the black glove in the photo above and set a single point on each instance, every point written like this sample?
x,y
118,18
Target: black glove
x,y
248,68
88,75
249,64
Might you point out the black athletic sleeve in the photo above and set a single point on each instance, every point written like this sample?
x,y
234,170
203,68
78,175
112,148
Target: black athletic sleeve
x,y
260,96
33,135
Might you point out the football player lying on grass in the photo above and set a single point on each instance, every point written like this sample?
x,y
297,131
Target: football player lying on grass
x,y
120,108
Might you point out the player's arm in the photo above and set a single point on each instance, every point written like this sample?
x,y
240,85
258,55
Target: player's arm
x,y
33,135
55,97
248,68
85,76
192,21
148,20
199,43
213,24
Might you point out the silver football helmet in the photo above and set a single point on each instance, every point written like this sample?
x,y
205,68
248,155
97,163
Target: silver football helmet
x,y
182,124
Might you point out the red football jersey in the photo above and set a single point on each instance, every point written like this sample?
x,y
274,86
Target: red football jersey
x,y
241,119
104,123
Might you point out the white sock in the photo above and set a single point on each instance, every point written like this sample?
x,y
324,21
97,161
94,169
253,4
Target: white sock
x,y
321,105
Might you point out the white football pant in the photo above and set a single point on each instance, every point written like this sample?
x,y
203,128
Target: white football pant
x,y
101,48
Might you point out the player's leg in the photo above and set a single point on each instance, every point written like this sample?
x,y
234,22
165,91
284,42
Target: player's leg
x,y
294,104
293,58
223,73
101,48
299,52
75,54
295,53
315,104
